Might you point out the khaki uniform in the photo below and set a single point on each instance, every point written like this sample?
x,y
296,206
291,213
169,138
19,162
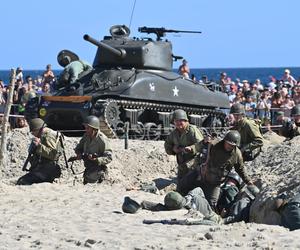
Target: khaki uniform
x,y
191,137
44,166
95,170
251,137
75,69
220,163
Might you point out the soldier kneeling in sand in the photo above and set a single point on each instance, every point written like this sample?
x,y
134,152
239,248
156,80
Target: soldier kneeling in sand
x,y
94,149
44,152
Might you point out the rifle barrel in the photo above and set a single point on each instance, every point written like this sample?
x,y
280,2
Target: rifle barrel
x,y
183,31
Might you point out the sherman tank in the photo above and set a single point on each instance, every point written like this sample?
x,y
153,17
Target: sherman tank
x,y
132,86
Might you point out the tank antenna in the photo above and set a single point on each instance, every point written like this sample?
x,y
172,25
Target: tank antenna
x,y
132,13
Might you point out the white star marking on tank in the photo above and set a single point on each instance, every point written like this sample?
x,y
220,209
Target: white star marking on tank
x,y
152,86
175,91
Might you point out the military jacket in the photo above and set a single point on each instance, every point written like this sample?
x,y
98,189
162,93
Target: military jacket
x,y
251,137
221,162
190,137
99,146
49,149
75,68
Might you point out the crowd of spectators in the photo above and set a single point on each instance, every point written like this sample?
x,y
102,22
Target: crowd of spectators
x,y
262,101
25,88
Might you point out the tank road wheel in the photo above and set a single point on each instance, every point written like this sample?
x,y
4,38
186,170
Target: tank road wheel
x,y
153,132
137,131
112,115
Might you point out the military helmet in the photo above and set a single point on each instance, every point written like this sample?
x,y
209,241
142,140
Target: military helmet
x,y
295,110
65,57
174,200
130,206
233,137
36,123
179,114
237,108
92,121
234,176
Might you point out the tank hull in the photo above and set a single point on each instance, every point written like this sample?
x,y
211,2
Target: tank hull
x,y
143,99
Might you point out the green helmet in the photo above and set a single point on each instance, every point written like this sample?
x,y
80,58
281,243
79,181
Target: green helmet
x,y
64,57
180,114
237,109
295,110
174,200
92,121
130,206
233,137
232,175
36,123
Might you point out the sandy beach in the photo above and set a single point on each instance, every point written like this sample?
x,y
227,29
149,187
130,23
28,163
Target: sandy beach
x,y
69,215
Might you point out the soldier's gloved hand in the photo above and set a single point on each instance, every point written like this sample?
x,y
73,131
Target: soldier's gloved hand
x,y
36,141
253,189
92,157
188,149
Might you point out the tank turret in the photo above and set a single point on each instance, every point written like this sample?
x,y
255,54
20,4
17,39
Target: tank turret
x,y
133,85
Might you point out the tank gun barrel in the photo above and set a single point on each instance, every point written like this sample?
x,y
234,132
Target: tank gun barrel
x,y
160,32
119,52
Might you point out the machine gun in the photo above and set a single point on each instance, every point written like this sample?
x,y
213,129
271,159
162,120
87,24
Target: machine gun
x,y
161,32
31,149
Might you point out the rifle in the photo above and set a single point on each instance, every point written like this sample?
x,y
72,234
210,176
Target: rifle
x,y
31,149
186,222
84,157
160,32
64,153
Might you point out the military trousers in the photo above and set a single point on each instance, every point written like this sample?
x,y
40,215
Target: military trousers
x,y
40,173
187,182
94,173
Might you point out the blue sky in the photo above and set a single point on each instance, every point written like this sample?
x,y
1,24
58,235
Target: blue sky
x,y
236,33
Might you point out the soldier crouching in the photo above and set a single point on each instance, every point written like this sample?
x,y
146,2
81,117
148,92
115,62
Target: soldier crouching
x,y
223,157
95,151
44,152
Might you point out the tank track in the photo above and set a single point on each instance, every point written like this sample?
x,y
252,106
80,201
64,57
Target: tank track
x,y
107,129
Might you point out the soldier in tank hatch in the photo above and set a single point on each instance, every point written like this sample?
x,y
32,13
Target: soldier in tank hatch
x,y
74,67
94,149
185,142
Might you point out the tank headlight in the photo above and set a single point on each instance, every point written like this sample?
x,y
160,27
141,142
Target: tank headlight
x,y
42,112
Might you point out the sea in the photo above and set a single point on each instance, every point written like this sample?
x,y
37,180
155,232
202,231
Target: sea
x,y
250,74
